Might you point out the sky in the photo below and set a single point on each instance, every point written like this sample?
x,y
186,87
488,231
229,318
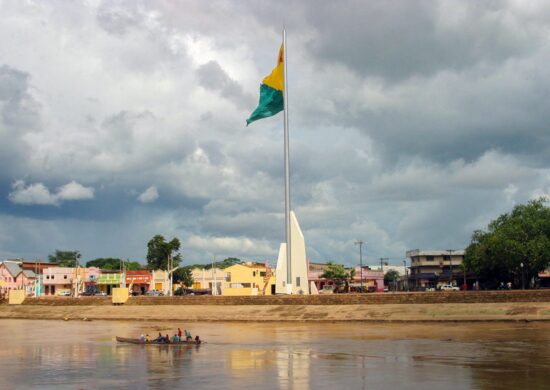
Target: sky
x,y
412,124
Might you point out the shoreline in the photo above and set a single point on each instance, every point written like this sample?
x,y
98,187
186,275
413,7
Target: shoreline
x,y
350,313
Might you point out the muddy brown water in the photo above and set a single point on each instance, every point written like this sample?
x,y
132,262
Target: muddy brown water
x,y
84,355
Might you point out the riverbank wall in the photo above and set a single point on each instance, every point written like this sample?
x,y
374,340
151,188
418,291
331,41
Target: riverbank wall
x,y
528,305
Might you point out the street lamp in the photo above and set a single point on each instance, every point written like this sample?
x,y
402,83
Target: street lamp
x,y
522,278
360,243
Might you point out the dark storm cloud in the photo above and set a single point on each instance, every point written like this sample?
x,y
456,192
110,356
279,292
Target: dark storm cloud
x,y
400,39
19,114
211,76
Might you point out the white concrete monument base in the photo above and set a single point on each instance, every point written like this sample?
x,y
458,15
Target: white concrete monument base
x,y
299,270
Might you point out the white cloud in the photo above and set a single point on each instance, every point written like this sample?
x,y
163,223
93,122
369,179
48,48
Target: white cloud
x,y
36,193
75,191
39,194
228,245
149,195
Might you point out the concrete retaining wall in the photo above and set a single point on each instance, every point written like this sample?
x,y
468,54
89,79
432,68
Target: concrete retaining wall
x,y
331,299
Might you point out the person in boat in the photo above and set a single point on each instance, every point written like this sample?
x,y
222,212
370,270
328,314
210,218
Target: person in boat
x,y
175,338
188,335
167,339
197,339
179,333
147,338
159,339
142,338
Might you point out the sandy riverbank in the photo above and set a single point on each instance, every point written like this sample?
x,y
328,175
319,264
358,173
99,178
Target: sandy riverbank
x,y
513,311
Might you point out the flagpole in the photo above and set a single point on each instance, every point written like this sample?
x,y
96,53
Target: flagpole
x,y
287,169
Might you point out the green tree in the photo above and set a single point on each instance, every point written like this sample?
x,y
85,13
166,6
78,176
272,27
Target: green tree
x,y
65,258
390,277
112,263
519,237
337,273
228,262
158,250
184,276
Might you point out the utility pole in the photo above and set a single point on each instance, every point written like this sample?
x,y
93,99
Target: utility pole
x,y
406,274
451,265
360,243
382,261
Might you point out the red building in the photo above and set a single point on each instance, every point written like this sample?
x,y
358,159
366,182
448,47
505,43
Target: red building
x,y
138,281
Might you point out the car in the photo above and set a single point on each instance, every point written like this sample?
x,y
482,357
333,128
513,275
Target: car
x,y
449,287
430,289
64,293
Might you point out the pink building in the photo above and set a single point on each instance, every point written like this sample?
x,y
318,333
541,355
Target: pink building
x,y
373,280
58,280
13,277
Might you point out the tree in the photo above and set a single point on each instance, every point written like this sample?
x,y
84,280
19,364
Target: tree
x,y
337,273
184,276
65,258
113,264
158,251
519,237
390,277
228,262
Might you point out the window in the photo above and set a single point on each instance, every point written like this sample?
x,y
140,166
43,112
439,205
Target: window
x,y
228,277
297,281
47,276
253,273
53,276
429,258
262,274
64,276
446,257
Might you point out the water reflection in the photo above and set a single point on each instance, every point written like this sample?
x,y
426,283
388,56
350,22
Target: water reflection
x,y
48,354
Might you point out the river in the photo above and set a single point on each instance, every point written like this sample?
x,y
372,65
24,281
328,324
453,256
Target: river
x,y
84,355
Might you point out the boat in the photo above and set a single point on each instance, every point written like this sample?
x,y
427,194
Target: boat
x,y
138,341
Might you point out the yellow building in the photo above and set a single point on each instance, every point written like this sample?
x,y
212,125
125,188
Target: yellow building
x,y
207,278
249,279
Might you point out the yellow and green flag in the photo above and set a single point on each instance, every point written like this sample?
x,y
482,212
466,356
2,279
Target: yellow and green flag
x,y
271,93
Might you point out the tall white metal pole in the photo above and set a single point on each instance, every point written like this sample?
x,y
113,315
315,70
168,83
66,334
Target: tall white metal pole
x,y
287,167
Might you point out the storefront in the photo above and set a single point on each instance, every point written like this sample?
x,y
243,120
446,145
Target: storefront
x,y
107,281
138,282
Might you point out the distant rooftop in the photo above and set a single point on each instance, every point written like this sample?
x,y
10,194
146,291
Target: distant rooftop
x,y
445,252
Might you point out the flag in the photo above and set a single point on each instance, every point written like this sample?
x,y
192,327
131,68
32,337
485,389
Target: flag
x,y
271,93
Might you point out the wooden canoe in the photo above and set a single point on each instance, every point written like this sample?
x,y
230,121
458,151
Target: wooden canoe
x,y
138,341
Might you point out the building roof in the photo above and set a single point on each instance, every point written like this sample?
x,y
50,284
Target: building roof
x,y
445,252
254,265
140,272
29,273
13,268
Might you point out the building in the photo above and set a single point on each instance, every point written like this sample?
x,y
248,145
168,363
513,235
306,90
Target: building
x,y
108,280
431,269
14,277
373,279
206,278
249,279
138,281
58,280
161,281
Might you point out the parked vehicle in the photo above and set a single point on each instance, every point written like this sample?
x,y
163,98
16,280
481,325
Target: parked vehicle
x,y
64,293
154,293
449,287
